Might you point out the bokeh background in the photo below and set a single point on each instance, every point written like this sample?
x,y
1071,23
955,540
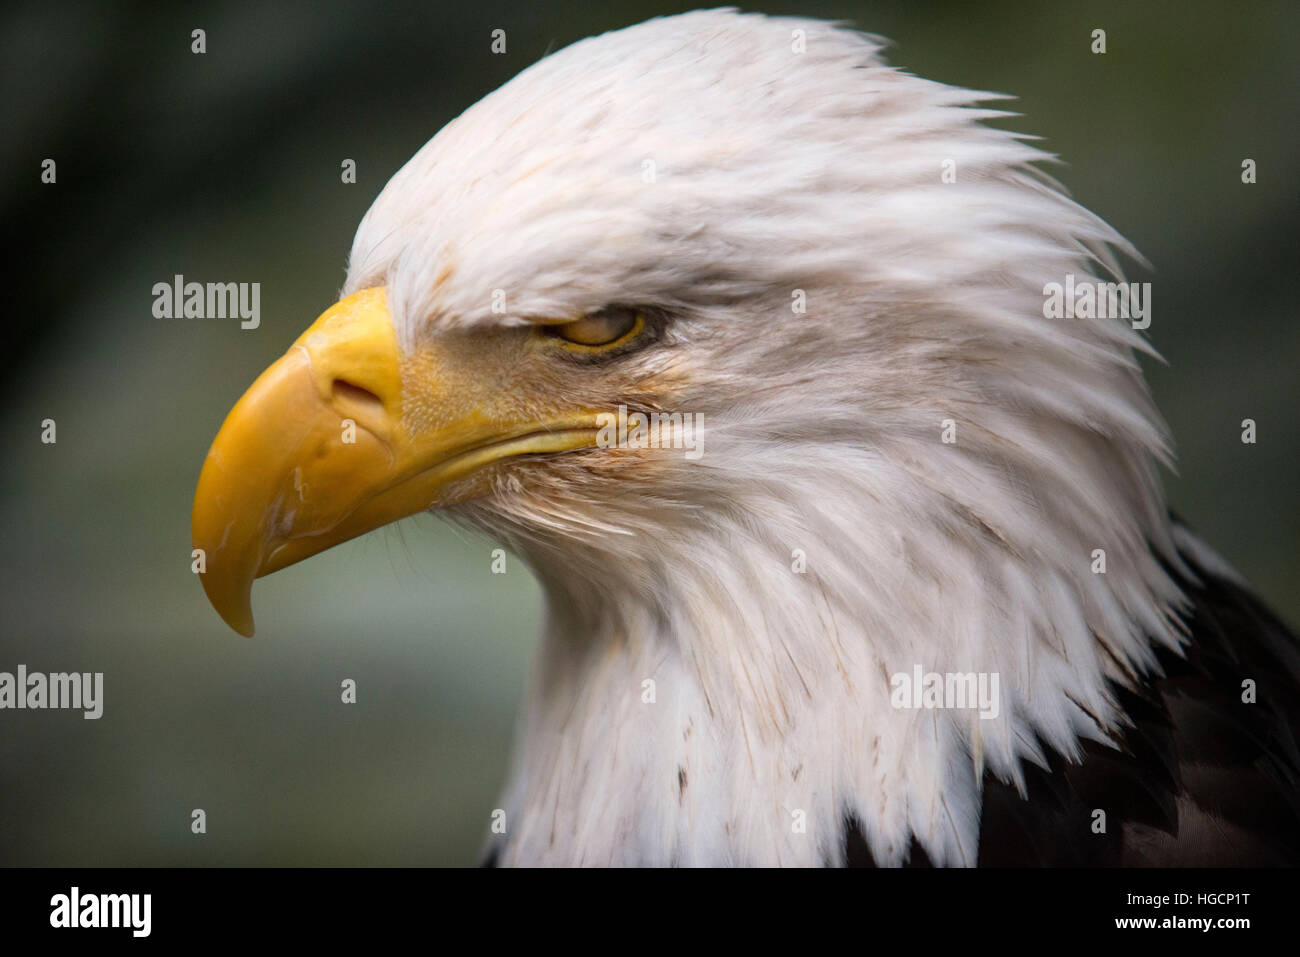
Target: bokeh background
x,y
226,167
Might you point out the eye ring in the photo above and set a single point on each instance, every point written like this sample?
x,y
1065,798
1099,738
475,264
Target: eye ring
x,y
598,332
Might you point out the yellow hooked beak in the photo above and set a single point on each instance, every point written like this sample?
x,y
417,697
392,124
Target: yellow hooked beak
x,y
343,435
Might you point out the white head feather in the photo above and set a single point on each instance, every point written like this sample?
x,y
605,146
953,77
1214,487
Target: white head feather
x,y
776,171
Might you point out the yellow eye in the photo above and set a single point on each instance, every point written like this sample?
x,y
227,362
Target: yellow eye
x,y
600,330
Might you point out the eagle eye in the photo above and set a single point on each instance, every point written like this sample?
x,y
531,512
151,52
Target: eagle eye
x,y
600,330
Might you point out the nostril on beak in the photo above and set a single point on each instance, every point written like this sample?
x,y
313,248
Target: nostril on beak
x,y
356,395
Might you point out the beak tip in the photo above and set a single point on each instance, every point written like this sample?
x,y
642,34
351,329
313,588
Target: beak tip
x,y
244,628
238,615
233,602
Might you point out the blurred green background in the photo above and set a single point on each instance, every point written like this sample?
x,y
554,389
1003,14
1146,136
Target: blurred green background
x,y
226,167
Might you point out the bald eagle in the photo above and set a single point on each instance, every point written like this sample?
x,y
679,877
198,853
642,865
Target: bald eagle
x,y
736,232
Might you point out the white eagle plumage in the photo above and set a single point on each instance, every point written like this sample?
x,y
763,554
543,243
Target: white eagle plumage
x,y
716,166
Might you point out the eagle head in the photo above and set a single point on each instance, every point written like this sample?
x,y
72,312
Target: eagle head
x,y
736,334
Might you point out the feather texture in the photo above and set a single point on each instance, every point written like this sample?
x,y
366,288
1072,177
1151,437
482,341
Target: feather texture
x,y
699,698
